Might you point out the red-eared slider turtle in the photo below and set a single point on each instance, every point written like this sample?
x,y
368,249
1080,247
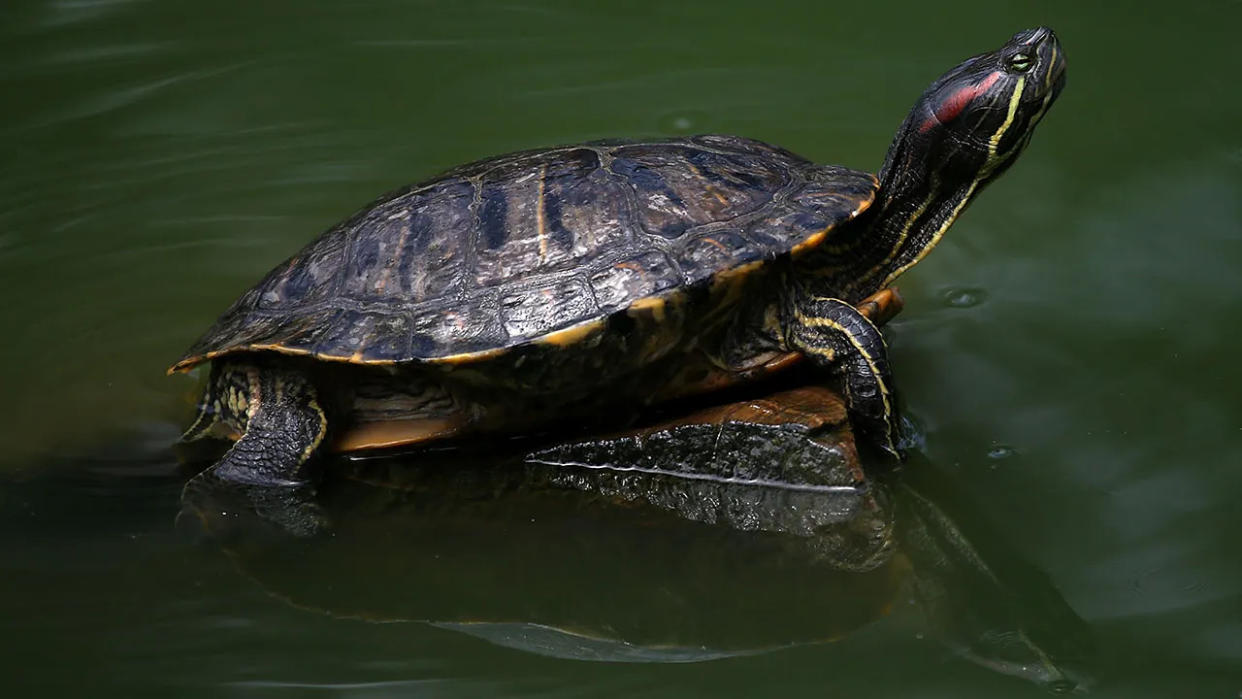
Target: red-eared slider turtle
x,y
585,279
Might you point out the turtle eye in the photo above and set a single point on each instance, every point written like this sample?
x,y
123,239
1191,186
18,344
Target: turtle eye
x,y
1020,62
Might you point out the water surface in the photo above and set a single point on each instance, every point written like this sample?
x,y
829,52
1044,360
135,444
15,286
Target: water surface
x,y
1070,349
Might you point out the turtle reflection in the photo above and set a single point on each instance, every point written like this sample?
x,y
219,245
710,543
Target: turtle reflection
x,y
732,530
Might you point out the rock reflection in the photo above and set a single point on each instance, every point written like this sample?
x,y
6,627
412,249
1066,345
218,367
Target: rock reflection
x,y
732,530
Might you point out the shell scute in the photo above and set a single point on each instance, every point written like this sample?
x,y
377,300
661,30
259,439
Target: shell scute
x,y
365,273
306,278
348,334
836,189
457,327
765,233
546,217
389,339
648,274
310,282
435,256
306,333
531,313
680,188
713,252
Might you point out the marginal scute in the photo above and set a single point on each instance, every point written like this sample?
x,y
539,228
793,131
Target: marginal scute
x,y
307,332
718,251
499,253
389,339
573,334
458,328
731,276
349,334
620,283
834,186
801,225
530,313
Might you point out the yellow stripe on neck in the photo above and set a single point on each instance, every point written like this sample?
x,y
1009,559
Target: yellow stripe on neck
x,y
933,183
994,142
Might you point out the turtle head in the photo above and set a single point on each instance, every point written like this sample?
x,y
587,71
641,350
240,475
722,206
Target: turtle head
x,y
972,122
965,130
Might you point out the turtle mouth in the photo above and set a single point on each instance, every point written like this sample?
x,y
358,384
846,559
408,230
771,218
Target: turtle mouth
x,y
1050,50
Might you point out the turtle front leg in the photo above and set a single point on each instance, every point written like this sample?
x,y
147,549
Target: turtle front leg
x,y
281,425
833,334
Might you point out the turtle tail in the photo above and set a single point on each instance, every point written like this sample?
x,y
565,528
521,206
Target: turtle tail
x,y
224,402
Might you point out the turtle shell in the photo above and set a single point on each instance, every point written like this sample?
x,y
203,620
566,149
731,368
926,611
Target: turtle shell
x,y
532,246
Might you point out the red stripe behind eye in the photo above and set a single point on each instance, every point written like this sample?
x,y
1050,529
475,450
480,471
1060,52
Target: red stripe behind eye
x,y
951,106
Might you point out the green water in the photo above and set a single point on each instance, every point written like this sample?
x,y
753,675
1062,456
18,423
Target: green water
x,y
1070,349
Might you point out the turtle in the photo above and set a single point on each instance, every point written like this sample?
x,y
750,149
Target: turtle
x,y
589,281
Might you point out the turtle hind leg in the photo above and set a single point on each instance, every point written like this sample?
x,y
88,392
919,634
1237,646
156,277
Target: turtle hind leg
x,y
832,333
281,425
